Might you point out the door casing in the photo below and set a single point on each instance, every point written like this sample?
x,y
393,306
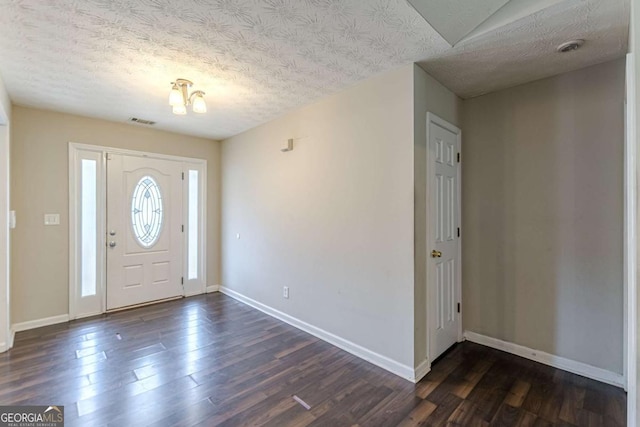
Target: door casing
x,y
432,118
75,150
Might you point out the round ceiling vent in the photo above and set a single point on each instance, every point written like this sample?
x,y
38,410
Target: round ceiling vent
x,y
570,46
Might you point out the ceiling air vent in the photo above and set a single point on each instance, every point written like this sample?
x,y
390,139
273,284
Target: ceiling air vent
x,y
570,46
142,121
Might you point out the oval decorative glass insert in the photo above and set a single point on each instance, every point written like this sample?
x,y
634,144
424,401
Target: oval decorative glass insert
x,y
147,211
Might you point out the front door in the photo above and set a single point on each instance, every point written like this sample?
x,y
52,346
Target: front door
x,y
144,230
443,261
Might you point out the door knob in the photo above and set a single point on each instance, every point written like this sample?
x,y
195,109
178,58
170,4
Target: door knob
x,y
112,244
436,254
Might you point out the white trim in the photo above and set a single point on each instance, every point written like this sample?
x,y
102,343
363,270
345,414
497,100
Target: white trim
x,y
422,370
12,337
86,315
38,323
98,301
201,167
75,150
213,288
631,242
5,246
379,360
115,150
432,118
558,362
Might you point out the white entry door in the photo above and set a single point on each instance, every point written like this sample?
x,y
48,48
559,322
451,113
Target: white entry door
x,y
443,265
144,230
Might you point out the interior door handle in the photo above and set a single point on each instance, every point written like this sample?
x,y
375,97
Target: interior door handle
x,y
112,244
436,254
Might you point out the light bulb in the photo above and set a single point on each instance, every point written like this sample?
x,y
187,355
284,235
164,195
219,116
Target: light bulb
x,y
175,96
199,105
180,109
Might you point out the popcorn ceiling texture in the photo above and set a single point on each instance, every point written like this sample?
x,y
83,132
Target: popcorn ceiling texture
x,y
524,50
257,59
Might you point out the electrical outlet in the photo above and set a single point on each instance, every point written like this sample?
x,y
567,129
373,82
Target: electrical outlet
x,y
285,292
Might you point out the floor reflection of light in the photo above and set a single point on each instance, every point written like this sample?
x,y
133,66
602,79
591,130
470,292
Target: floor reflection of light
x,y
192,337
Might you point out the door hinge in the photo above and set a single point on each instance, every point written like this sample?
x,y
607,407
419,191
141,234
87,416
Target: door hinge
x,y
458,157
183,228
458,307
183,174
182,283
107,156
458,231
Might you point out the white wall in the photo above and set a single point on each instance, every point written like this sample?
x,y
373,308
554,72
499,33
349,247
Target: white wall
x,y
5,119
333,219
39,159
543,215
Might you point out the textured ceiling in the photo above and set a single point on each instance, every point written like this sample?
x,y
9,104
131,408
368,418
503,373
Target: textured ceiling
x,y
522,49
256,59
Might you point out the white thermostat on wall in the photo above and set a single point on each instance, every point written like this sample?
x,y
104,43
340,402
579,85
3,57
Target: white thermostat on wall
x,y
51,219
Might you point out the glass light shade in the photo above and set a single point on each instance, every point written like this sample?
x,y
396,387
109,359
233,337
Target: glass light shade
x,y
199,105
180,109
175,96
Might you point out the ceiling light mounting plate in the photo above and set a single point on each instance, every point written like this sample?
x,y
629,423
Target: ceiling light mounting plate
x,y
183,82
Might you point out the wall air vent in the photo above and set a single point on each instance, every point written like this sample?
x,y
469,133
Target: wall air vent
x,y
142,121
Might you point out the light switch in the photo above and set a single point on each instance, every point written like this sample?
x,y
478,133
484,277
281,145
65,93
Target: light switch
x,y
51,219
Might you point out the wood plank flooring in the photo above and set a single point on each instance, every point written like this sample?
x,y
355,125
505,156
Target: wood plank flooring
x,y
212,361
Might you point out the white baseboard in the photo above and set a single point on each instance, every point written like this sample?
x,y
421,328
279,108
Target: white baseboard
x,y
6,346
423,369
207,290
32,324
383,362
12,336
85,316
559,362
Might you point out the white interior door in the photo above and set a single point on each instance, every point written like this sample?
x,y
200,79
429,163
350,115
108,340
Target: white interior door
x,y
144,230
443,241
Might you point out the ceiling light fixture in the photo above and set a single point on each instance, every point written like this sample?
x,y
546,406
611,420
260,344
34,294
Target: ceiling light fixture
x,y
570,46
179,98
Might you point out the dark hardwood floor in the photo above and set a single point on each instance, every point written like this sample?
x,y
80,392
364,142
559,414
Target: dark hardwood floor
x,y
211,361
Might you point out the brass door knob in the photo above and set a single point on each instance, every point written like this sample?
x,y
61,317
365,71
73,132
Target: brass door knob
x,y
436,254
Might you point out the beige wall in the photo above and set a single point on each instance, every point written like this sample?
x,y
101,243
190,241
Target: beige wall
x,y
5,121
429,96
333,219
39,171
543,215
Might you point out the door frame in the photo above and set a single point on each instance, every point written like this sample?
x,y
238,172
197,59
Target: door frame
x,y
630,325
75,150
429,271
6,334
